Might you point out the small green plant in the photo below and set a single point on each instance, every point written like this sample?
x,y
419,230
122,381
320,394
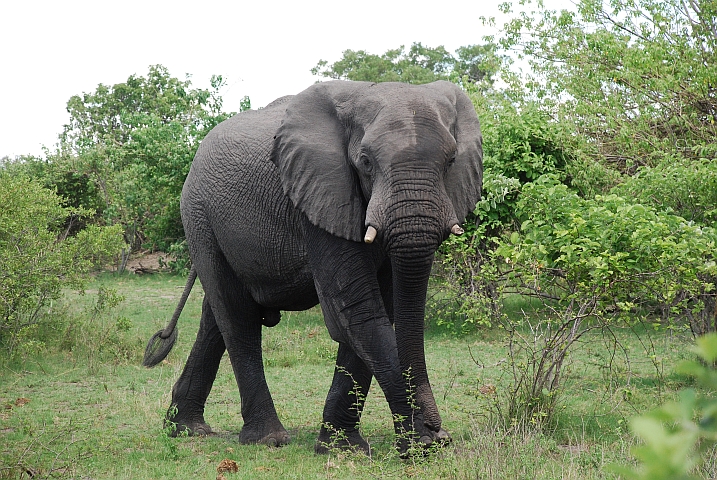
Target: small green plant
x,y
98,333
340,439
168,434
679,435
337,437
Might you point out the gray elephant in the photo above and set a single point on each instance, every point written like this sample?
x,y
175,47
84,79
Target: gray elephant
x,y
339,195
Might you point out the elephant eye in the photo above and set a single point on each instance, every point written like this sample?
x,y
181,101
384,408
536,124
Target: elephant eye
x,y
451,161
366,162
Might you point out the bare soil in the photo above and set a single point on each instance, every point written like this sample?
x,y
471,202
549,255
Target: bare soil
x,y
143,262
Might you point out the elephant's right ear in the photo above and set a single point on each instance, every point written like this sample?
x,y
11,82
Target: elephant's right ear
x,y
311,152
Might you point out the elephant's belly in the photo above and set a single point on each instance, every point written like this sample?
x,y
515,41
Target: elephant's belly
x,y
281,295
257,230
276,272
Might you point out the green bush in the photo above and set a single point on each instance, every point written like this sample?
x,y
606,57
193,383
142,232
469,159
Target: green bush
x,y
592,262
686,187
609,250
97,333
38,258
127,149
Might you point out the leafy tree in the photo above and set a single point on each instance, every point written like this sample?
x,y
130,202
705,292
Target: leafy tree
x,y
603,98
476,64
636,79
38,258
594,262
604,107
521,143
127,150
115,113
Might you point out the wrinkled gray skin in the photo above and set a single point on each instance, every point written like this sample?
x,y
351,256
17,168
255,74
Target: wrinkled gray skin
x,y
275,209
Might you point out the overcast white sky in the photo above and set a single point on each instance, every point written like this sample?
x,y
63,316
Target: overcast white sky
x,y
51,50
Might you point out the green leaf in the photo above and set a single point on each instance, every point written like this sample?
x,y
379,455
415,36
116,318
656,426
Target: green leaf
x,y
706,347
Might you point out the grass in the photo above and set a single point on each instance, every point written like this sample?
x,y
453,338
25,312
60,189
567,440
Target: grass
x,y
85,408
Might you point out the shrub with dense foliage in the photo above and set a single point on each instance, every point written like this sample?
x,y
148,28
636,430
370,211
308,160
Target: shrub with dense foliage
x,y
38,258
593,262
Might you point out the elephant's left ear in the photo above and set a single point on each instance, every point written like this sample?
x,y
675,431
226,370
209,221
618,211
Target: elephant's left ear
x,y
311,152
464,179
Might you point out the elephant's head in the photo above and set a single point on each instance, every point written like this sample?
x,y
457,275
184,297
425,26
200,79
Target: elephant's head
x,y
393,163
402,159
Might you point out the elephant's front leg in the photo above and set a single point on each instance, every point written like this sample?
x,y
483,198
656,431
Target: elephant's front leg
x,y
344,404
373,336
346,277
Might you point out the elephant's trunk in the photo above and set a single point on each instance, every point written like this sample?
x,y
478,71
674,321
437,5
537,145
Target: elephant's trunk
x,y
410,281
411,215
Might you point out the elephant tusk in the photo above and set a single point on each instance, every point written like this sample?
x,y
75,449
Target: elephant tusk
x,y
370,235
457,230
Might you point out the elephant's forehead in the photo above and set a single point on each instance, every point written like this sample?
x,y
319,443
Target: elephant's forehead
x,y
407,110
397,100
410,123
414,141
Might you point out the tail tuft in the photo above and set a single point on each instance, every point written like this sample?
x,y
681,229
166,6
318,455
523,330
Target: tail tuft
x,y
158,348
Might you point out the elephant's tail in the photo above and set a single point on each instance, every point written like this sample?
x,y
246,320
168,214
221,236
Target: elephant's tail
x,y
162,342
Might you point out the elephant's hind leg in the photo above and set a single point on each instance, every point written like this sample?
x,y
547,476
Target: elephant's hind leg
x,y
191,390
344,404
243,340
240,319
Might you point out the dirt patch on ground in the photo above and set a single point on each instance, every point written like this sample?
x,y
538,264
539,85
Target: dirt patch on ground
x,y
143,262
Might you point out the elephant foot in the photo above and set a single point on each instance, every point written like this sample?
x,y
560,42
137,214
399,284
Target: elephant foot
x,y
191,429
176,423
275,437
420,443
442,437
330,438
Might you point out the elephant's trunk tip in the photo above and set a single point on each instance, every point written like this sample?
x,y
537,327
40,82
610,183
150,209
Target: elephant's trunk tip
x,y
457,230
370,235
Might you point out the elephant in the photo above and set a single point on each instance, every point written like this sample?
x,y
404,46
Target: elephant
x,y
338,196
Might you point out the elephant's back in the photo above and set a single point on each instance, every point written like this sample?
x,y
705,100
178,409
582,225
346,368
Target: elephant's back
x,y
243,140
232,163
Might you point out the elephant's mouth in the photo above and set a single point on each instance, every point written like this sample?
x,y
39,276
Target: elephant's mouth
x,y
408,217
412,234
415,236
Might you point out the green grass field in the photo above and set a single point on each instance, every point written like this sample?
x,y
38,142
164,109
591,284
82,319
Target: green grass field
x,y
84,407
